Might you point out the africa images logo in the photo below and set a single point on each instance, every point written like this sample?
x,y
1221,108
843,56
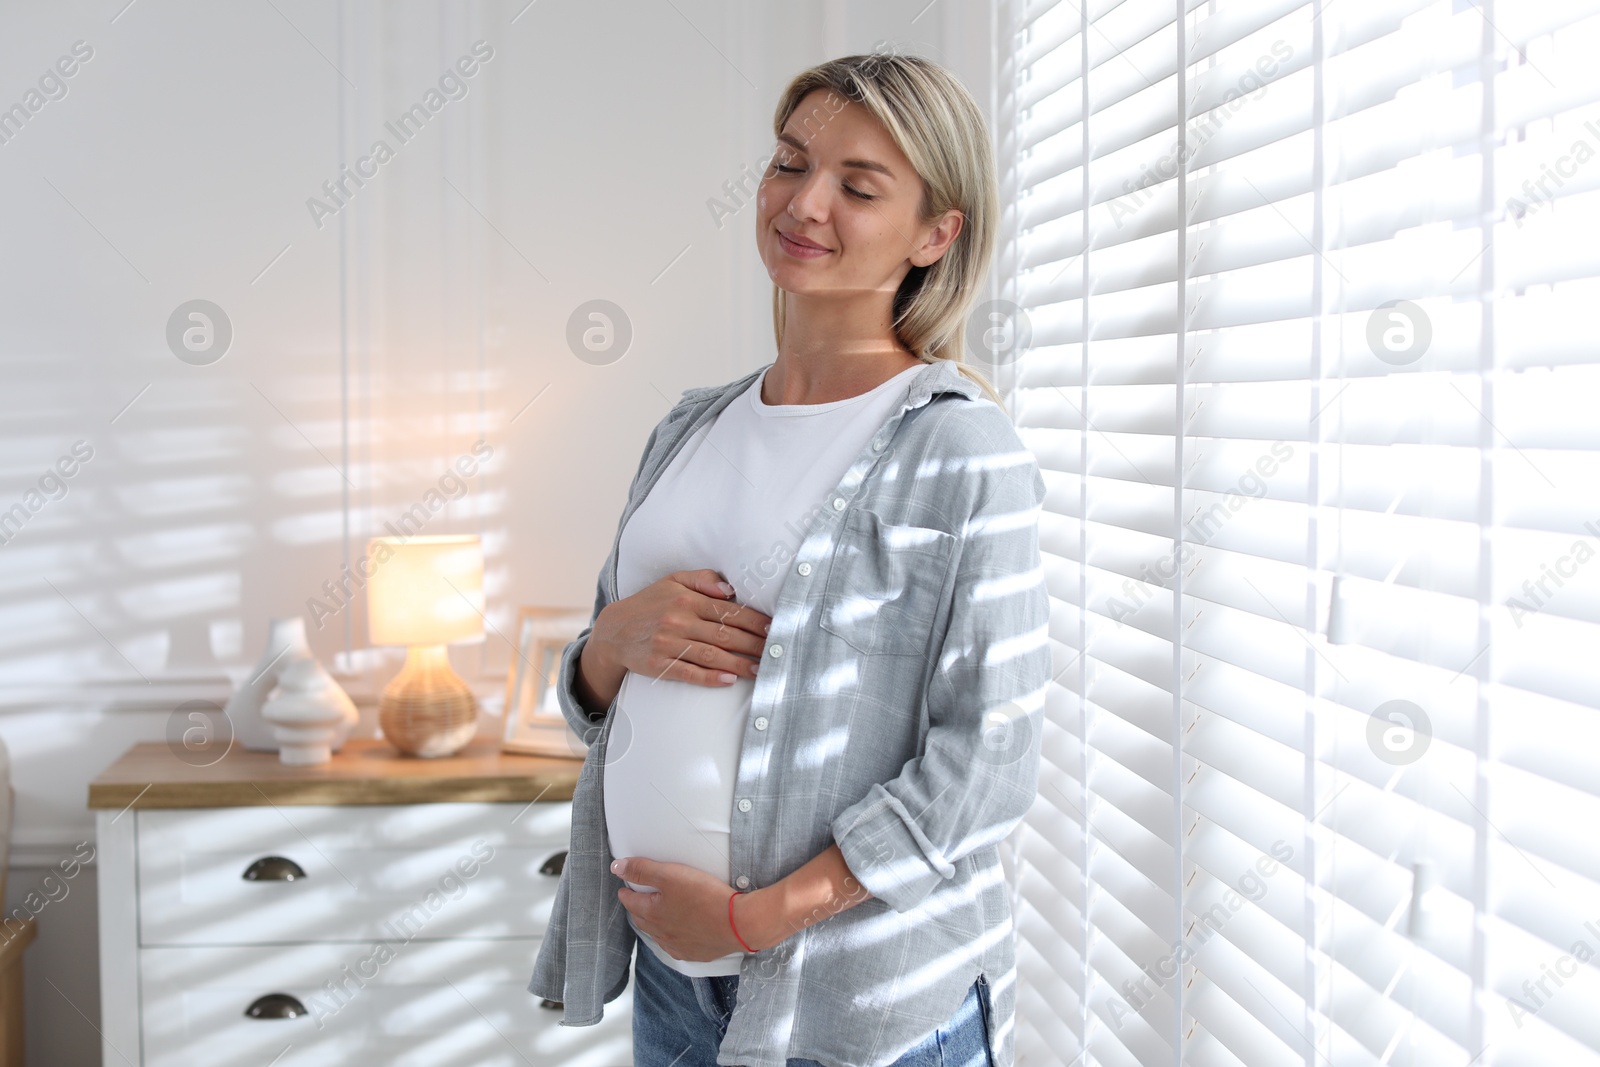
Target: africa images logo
x,y
452,86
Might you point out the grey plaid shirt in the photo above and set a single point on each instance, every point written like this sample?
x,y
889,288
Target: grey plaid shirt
x,y
902,687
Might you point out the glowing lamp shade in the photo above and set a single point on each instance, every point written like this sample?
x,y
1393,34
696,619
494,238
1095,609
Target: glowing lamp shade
x,y
426,593
426,590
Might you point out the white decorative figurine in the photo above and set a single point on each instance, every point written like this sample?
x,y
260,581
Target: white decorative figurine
x,y
286,644
308,712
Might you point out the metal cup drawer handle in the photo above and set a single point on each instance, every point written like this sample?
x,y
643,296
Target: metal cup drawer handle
x,y
553,865
273,869
275,1006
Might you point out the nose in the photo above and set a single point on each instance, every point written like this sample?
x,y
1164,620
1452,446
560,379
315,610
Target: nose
x,y
809,201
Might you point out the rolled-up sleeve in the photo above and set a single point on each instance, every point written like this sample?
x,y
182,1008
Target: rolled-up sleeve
x,y
572,708
977,773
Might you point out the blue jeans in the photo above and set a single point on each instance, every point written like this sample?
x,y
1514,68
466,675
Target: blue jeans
x,y
679,1021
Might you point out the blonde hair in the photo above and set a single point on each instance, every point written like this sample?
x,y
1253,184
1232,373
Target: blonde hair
x,y
937,124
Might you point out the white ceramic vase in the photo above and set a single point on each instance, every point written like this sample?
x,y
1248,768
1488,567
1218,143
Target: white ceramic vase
x,y
286,643
308,713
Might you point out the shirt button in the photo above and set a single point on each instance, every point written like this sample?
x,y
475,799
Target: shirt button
x,y
744,804
838,503
775,651
761,722
742,882
877,444
804,569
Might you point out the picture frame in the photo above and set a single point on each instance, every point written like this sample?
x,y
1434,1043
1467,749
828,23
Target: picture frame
x,y
534,724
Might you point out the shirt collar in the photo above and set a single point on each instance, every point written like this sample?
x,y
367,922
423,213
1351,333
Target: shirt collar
x,y
940,376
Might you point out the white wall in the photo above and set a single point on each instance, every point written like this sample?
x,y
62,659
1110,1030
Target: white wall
x,y
367,354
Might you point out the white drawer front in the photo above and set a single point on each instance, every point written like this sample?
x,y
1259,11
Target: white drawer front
x,y
398,872
433,1004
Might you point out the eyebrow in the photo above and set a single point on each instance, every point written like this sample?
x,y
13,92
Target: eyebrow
x,y
858,164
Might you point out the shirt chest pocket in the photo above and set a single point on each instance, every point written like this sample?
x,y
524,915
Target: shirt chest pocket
x,y
885,584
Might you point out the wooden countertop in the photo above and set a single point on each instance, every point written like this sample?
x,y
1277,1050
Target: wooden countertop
x,y
363,771
15,941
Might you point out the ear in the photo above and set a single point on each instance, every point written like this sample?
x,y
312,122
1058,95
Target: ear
x,y
940,237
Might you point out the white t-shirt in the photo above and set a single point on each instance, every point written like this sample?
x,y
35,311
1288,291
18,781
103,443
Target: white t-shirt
x,y
738,498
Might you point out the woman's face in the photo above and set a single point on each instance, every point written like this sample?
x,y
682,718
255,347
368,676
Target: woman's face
x,y
838,182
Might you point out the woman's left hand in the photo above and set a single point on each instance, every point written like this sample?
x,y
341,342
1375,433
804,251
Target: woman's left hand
x,y
687,915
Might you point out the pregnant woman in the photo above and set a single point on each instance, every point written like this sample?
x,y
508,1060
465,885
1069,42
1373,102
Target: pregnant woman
x,y
813,684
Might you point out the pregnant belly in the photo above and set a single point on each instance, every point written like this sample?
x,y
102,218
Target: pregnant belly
x,y
671,764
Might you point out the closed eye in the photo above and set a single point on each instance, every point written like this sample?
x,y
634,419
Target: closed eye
x,y
858,194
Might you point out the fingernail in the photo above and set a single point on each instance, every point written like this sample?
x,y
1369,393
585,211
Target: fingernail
x,y
726,677
616,865
767,629
727,590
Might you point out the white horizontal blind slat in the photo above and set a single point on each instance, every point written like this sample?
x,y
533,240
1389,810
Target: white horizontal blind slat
x,y
1257,471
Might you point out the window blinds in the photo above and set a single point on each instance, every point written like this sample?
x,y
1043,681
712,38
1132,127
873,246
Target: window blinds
x,y
1314,390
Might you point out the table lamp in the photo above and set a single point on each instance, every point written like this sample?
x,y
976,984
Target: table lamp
x,y
426,593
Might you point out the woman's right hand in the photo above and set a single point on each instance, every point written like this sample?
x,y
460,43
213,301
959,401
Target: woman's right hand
x,y
685,627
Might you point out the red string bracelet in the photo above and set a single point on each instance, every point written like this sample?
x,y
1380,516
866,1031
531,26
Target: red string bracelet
x,y
735,929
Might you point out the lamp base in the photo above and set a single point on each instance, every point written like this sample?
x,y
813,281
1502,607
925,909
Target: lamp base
x,y
427,710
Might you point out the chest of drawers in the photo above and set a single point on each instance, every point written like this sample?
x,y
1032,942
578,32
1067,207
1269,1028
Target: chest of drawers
x,y
373,910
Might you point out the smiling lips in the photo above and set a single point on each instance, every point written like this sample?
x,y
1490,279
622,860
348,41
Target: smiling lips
x,y
801,248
